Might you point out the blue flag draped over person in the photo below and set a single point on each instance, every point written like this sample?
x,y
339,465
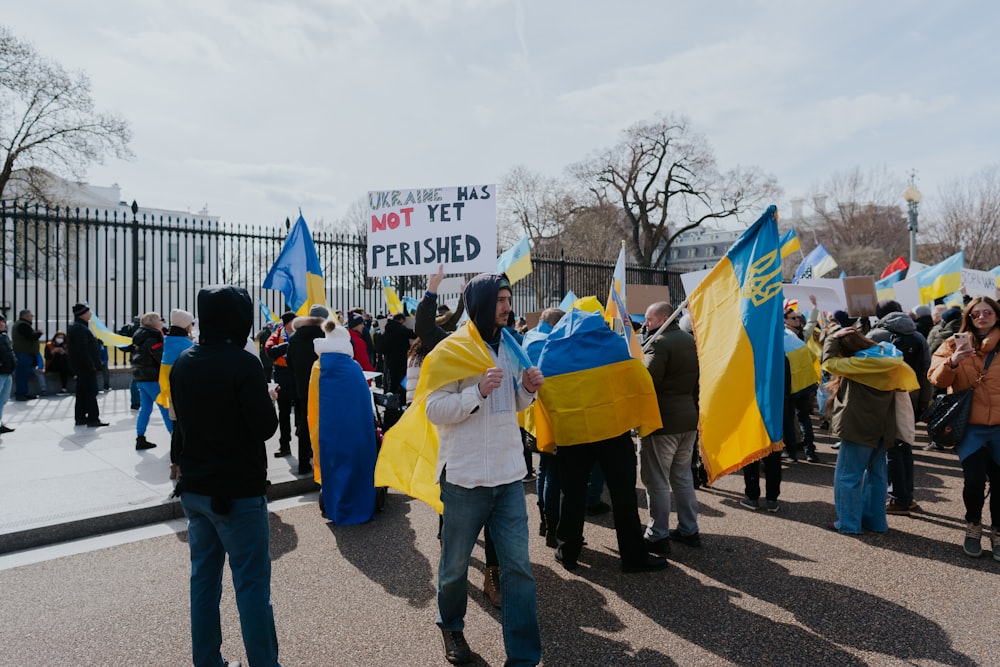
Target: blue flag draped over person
x,y
737,315
817,264
297,273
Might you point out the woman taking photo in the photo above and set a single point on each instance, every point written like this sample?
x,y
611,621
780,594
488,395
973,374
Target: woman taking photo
x,y
961,363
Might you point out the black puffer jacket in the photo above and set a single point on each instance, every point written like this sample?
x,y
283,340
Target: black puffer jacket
x,y
7,359
147,352
223,409
84,352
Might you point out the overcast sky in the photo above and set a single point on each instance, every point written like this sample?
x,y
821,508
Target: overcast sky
x,y
257,108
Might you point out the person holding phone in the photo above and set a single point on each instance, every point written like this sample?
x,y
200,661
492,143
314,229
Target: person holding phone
x,y
965,361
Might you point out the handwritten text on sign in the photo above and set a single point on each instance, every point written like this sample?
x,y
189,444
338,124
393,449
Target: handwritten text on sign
x,y
411,232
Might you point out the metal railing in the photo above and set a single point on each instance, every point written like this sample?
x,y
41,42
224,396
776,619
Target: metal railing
x,y
124,264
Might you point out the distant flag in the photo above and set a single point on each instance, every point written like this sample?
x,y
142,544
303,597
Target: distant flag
x,y
843,274
568,300
996,272
297,273
789,243
410,303
391,297
898,264
268,315
817,264
617,307
942,278
106,335
516,262
884,287
737,317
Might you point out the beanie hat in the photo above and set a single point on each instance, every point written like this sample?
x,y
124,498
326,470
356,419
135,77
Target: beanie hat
x,y
319,311
79,309
354,319
922,311
181,318
951,314
287,317
843,319
883,308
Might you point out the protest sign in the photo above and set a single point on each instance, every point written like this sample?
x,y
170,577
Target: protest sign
x,y
411,232
979,283
861,297
828,299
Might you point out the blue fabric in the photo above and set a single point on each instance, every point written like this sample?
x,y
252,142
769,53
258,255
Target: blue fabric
x,y
133,392
860,484
534,341
347,449
503,509
581,341
979,436
883,349
25,361
6,383
148,391
243,534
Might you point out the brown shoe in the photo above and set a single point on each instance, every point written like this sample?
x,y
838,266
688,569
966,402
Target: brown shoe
x,y
893,508
491,584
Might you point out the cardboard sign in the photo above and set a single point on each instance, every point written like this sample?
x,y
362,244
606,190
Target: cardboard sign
x,y
641,297
411,232
979,283
860,294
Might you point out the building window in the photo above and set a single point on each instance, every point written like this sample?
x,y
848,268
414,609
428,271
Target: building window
x,y
171,252
199,254
673,253
710,251
692,252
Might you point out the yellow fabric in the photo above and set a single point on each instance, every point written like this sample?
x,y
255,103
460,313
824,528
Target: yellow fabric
x,y
163,398
391,298
588,304
731,426
804,367
312,417
595,404
408,458
315,294
519,269
882,373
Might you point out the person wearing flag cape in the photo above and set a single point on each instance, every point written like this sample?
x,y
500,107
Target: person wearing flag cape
x,y
480,467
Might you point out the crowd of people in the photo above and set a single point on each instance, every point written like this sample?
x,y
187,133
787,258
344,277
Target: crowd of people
x,y
867,380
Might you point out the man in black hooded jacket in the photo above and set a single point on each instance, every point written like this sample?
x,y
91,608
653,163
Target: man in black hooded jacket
x,y
225,416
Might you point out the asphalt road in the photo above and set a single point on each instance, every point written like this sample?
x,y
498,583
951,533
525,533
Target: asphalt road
x,y
764,589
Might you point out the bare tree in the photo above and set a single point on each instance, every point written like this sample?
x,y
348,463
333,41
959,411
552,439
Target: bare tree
x,y
663,177
859,219
968,219
49,118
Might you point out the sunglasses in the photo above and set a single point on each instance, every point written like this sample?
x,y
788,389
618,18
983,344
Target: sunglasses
x,y
977,314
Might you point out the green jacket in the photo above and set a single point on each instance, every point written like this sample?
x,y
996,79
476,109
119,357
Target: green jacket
x,y
24,337
672,361
861,414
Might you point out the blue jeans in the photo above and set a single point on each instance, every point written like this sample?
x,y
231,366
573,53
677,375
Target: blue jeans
x,y
148,391
860,484
503,509
244,534
133,392
6,382
25,362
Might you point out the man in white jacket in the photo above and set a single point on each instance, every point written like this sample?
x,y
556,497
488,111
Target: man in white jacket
x,y
481,470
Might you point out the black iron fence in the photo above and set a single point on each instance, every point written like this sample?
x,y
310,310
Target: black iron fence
x,y
124,264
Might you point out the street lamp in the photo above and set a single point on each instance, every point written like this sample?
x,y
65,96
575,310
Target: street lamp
x,y
912,197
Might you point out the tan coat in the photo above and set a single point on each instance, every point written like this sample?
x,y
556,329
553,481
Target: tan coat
x,y
986,397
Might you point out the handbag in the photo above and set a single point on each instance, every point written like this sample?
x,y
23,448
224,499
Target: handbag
x,y
948,415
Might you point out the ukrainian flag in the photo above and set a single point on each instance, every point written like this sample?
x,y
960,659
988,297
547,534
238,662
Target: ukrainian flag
x,y
941,279
737,317
884,287
802,361
268,315
618,306
297,273
594,389
996,272
408,458
789,243
172,348
106,335
516,262
391,297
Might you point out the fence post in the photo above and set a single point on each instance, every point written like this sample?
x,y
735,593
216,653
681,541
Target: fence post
x,y
562,272
135,262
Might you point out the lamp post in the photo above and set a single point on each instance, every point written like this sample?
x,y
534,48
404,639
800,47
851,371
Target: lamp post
x,y
912,197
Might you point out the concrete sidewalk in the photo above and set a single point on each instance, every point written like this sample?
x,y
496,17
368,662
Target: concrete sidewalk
x,y
61,482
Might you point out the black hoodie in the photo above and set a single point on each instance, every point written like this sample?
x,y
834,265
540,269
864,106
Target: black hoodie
x,y
481,303
223,409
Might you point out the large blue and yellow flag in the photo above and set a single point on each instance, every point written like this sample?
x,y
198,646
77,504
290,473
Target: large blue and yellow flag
x,y
407,461
106,335
789,243
737,317
297,273
516,261
884,288
594,389
941,279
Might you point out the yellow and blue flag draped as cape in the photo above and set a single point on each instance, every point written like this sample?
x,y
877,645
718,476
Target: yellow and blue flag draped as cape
x,y
880,367
172,348
736,311
789,243
594,389
297,273
941,279
516,260
407,461
802,361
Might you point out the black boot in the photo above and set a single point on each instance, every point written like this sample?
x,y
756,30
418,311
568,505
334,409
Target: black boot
x,y
142,443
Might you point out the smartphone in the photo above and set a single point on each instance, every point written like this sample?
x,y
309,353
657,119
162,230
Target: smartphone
x,y
962,340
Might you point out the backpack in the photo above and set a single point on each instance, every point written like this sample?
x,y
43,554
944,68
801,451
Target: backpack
x,y
911,348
